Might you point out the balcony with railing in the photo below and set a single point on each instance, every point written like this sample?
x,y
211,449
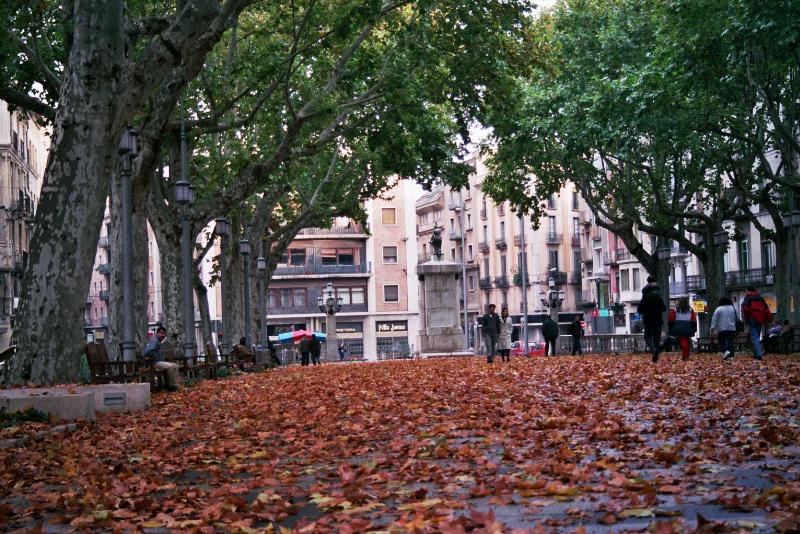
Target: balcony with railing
x,y
575,239
517,279
104,268
749,277
104,241
623,255
695,282
585,299
316,264
483,213
501,243
677,289
553,238
576,278
501,210
485,282
309,305
594,232
454,204
609,258
104,295
559,277
483,246
518,240
455,234
501,281
351,230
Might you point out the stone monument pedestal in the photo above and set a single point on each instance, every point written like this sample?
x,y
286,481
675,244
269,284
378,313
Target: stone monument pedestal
x,y
440,314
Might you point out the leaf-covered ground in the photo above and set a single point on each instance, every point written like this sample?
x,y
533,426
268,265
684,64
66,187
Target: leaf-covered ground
x,y
450,445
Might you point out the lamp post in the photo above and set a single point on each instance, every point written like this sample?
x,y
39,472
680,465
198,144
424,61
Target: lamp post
x,y
223,229
791,221
128,149
261,267
554,296
184,196
330,306
523,272
244,250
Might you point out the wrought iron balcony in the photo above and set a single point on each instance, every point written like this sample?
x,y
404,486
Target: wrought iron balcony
x,y
352,229
553,238
695,282
575,239
585,299
749,277
678,288
518,240
104,241
501,244
104,295
483,246
559,277
483,213
517,278
501,281
485,282
609,258
104,268
455,235
623,254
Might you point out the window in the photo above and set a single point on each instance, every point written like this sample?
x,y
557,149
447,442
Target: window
x,y
575,199
576,261
469,221
351,295
624,280
521,261
340,256
635,283
552,259
299,297
485,267
453,254
744,255
767,256
272,298
551,224
294,256
502,229
503,265
469,252
452,224
390,254
471,283
286,297
485,233
576,227
391,293
551,202
389,216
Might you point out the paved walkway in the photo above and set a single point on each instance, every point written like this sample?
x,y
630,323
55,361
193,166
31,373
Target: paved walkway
x,y
452,445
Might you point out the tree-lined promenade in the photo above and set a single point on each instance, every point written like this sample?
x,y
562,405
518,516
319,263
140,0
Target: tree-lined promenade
x,y
451,445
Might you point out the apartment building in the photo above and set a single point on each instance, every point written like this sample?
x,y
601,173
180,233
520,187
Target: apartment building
x,y
493,243
369,270
23,156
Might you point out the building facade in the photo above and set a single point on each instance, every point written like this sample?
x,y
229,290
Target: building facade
x,y
23,156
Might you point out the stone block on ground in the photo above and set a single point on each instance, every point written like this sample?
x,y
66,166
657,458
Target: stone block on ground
x,y
59,402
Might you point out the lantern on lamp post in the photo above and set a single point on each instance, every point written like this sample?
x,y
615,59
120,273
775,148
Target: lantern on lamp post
x,y
222,227
330,305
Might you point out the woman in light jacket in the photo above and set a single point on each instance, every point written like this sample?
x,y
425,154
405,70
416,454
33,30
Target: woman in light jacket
x,y
504,336
723,323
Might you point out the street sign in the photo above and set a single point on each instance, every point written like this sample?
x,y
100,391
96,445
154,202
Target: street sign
x,y
699,306
595,313
637,317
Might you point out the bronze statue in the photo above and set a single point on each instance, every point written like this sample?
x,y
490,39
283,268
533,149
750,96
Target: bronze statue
x,y
436,241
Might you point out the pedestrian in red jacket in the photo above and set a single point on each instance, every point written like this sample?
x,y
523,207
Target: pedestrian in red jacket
x,y
755,314
682,323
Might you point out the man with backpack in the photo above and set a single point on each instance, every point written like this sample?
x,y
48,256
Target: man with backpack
x,y
652,308
756,314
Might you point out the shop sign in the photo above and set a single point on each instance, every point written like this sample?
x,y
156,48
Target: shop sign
x,y
391,326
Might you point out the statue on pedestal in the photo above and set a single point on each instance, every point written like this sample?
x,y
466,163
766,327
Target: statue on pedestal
x,y
436,241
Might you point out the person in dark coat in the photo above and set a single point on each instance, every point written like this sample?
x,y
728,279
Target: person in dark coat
x,y
490,327
652,308
315,347
576,331
305,350
550,333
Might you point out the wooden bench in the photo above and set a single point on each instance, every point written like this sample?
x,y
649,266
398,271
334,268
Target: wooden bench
x,y
105,371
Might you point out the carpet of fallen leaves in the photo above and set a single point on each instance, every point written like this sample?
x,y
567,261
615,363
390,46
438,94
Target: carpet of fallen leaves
x,y
562,444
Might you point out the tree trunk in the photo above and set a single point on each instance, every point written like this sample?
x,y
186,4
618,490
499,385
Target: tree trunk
x,y
172,296
141,267
235,287
782,273
83,156
115,280
205,315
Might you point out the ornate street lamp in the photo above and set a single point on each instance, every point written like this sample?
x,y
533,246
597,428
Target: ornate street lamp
x,y
261,267
184,196
330,306
128,149
222,227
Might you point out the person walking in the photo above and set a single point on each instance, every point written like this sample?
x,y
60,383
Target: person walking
x,y
651,308
504,336
550,333
342,351
576,331
153,350
723,323
315,348
305,350
682,323
756,314
490,325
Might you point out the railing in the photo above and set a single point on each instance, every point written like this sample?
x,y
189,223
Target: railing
x,y
609,258
553,238
587,255
351,229
501,281
517,278
575,240
679,250
483,246
103,294
594,232
604,344
485,282
501,244
483,213
455,235
104,241
318,268
623,255
749,277
518,240
425,227
560,277
576,278
678,288
585,298
501,210
310,308
695,282
454,204
104,268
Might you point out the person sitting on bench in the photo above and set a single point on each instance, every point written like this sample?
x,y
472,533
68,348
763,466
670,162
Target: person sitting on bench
x,y
153,350
242,353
